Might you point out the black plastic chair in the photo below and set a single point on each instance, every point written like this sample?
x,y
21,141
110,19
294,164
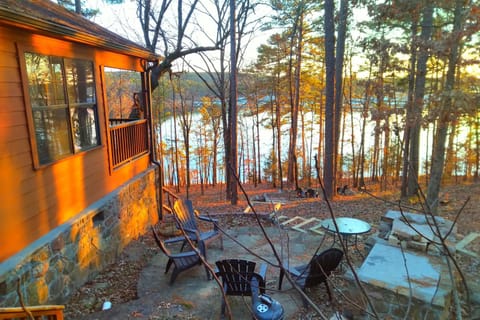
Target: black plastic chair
x,y
316,271
236,275
183,260
186,218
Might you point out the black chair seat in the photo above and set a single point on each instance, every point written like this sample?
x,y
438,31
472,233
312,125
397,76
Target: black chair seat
x,y
236,275
181,261
315,272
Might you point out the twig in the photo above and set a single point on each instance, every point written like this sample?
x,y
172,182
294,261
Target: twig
x,y
410,292
456,299
350,265
287,274
22,304
436,230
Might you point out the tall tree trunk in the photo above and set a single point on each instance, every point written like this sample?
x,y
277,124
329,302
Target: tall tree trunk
x,y
376,150
295,101
175,137
407,132
426,34
310,149
329,157
214,159
366,106
341,152
438,153
274,140
233,106
279,144
477,145
186,125
386,150
352,125
382,117
78,6
338,105
254,157
259,162
451,158
304,155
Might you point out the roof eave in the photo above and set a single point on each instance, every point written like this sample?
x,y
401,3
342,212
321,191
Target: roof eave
x,y
65,32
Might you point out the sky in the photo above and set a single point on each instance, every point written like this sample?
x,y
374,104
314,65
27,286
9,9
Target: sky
x,y
122,19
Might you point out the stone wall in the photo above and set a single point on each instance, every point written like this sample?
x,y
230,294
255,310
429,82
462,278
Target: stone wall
x,y
390,305
53,267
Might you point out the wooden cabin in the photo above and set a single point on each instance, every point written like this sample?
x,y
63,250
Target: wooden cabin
x,y
78,180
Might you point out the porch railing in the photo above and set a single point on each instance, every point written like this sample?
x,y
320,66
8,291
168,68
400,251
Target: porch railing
x,y
128,140
168,199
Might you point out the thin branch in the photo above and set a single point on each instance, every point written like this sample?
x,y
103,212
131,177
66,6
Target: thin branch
x,y
22,304
350,265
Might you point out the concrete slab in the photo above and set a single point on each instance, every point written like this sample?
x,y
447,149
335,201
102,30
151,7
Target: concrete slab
x,y
461,246
386,267
202,298
414,231
420,229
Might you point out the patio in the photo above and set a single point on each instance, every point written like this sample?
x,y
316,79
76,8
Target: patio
x,y
192,296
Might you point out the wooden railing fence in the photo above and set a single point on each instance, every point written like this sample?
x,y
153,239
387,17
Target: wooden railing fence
x,y
129,139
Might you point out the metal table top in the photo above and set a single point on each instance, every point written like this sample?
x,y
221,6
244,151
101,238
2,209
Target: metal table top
x,y
346,226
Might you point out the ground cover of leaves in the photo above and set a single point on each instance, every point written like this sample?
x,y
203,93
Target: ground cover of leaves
x,y
117,283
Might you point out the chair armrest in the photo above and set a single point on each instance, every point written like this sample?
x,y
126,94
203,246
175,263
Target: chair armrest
x,y
263,270
294,271
189,230
208,219
174,239
183,254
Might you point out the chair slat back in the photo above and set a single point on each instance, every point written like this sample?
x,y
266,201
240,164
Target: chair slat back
x,y
183,215
236,275
322,265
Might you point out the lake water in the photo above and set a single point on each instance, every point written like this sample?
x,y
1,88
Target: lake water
x,y
245,137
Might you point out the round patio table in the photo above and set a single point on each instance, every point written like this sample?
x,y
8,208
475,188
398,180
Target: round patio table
x,y
347,227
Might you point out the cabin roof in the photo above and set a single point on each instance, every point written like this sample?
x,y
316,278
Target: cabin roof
x,y
49,18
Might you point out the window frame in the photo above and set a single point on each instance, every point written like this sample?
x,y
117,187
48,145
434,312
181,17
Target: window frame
x,y
70,106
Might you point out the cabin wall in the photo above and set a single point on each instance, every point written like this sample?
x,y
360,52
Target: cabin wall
x,y
62,222
34,200
53,267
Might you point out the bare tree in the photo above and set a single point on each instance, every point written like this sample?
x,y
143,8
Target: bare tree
x,y
216,70
158,35
438,153
329,157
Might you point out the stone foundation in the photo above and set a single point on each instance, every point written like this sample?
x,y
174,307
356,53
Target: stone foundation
x,y
393,306
53,267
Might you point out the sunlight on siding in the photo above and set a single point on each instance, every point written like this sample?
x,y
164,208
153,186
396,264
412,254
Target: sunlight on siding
x,y
46,46
68,180
10,186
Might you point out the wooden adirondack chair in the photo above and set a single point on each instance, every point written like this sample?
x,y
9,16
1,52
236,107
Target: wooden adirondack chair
x,y
181,261
186,218
316,271
236,277
47,312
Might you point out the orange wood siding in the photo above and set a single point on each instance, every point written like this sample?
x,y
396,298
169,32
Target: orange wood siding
x,y
33,201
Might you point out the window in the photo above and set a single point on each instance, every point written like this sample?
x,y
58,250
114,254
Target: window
x,y
125,100
64,110
124,95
